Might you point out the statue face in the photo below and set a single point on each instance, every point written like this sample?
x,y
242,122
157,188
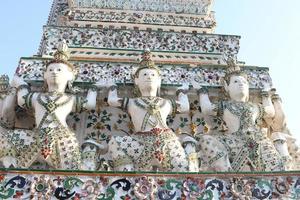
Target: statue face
x,y
148,80
238,87
58,74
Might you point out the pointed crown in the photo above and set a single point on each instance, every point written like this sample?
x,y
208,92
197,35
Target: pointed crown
x,y
233,69
62,55
4,83
146,63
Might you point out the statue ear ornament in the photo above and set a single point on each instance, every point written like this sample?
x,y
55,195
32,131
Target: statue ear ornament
x,y
224,94
158,91
70,85
136,91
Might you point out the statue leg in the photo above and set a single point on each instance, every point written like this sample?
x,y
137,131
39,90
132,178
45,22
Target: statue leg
x,y
91,150
270,158
119,148
7,154
280,141
7,151
178,158
67,148
192,156
213,154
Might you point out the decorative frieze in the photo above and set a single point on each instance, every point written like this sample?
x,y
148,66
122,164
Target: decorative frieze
x,y
228,45
32,69
170,6
108,186
150,18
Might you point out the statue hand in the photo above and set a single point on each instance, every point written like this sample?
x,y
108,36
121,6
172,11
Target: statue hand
x,y
17,81
273,91
196,84
105,84
266,86
9,161
184,86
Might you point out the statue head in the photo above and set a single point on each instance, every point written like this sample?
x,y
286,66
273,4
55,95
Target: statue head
x,y
59,72
236,83
147,77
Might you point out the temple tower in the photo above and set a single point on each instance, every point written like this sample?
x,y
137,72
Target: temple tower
x,y
105,39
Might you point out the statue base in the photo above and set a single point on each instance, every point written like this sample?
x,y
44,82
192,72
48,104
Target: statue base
x,y
62,184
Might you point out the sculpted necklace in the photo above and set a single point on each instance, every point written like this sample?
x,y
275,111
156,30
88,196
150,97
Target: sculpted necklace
x,y
153,106
50,106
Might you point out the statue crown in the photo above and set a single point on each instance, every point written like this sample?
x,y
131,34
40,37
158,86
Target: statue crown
x,y
62,55
4,83
233,69
62,52
146,63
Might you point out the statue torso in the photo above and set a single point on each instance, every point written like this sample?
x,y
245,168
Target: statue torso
x,y
148,113
241,116
51,111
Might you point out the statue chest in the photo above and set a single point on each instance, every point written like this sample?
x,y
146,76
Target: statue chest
x,y
52,111
239,114
146,115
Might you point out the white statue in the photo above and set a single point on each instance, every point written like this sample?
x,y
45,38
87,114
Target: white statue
x,y
7,119
55,143
244,144
153,146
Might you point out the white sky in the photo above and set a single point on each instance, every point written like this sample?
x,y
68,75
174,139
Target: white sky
x,y
269,29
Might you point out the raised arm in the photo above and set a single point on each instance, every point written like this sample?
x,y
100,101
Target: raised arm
x,y
269,111
24,95
279,120
206,106
182,99
113,99
91,99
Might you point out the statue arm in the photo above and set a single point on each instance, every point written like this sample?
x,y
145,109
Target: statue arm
x,y
24,95
182,101
206,106
269,111
113,99
91,99
279,120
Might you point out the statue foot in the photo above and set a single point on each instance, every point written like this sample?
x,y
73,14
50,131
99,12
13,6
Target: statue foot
x,y
9,162
88,165
128,167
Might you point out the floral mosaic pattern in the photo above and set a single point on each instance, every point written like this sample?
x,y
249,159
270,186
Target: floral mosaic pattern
x,y
144,18
32,69
139,40
58,8
124,186
188,6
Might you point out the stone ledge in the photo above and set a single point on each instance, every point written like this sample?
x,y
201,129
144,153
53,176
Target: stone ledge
x,y
58,184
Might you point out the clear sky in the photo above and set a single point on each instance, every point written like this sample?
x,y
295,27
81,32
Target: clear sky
x,y
269,28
